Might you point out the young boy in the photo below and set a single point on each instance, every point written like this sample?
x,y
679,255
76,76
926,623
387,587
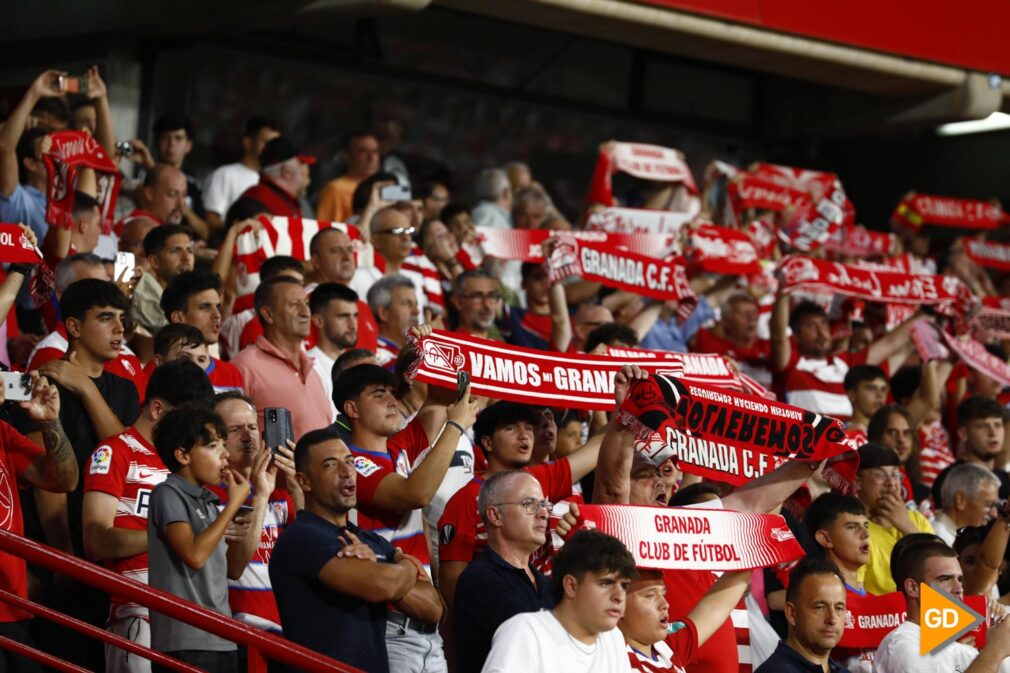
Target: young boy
x,y
185,530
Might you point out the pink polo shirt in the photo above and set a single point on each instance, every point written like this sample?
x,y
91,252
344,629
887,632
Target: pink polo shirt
x,y
273,380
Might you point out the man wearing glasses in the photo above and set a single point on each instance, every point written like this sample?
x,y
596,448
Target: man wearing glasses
x,y
477,299
878,487
501,582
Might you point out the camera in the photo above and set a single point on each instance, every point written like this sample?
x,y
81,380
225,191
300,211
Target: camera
x,y
124,148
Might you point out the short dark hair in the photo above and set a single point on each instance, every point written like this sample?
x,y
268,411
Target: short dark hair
x,y
353,135
84,203
184,428
26,150
530,268
426,188
188,283
256,123
609,333
87,293
346,359
809,566
590,551
861,373
318,236
354,381
502,413
180,382
803,310
176,333
977,407
265,292
56,106
327,292
453,209
363,192
156,239
907,542
875,454
692,494
168,122
905,382
307,441
458,281
823,511
912,561
278,264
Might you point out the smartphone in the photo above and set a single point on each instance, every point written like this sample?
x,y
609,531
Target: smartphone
x,y
125,263
73,85
395,193
277,427
124,148
244,510
17,386
462,381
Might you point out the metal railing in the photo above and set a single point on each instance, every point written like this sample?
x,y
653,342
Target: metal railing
x,y
259,644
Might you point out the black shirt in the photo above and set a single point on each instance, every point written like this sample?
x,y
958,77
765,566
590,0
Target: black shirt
x,y
489,592
341,626
1004,483
787,660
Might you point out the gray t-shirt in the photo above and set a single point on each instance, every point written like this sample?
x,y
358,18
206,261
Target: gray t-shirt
x,y
172,501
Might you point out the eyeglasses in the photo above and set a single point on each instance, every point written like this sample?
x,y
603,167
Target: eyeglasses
x,y
482,296
530,505
881,475
397,231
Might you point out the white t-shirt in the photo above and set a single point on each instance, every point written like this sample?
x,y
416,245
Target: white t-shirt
x,y
536,642
458,475
899,653
323,364
225,185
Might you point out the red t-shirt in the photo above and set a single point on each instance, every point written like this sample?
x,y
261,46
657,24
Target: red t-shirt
x,y
461,533
404,529
707,341
17,452
128,468
684,588
224,376
818,384
672,653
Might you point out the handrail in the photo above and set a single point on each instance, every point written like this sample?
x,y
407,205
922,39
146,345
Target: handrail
x,y
270,645
29,652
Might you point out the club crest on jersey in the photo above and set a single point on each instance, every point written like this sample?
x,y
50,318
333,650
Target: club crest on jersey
x,y
364,466
101,460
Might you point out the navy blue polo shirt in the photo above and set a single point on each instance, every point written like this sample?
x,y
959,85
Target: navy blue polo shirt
x,y
340,626
489,592
787,660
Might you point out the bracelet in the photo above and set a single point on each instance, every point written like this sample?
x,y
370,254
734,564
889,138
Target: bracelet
x,y
456,425
21,268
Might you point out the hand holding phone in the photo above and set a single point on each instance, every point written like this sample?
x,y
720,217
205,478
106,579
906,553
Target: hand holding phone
x,y
277,429
73,84
17,386
462,382
395,192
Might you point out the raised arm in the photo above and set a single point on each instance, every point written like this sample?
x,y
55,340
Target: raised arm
x,y
779,327
892,341
927,396
56,469
718,603
196,550
764,494
105,133
45,85
613,471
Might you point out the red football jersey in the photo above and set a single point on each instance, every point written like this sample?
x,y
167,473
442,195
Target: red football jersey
x,y
17,452
128,468
684,588
671,654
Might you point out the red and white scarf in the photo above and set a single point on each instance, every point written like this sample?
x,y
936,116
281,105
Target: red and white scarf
x,y
989,254
620,269
858,241
637,221
871,284
567,380
921,210
694,538
991,323
15,248
721,250
282,236
728,436
70,152
978,358
709,368
524,244
870,618
648,162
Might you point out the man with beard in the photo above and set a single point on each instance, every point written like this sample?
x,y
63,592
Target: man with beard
x,y
169,252
476,296
980,430
194,298
866,388
276,369
332,579
335,317
331,255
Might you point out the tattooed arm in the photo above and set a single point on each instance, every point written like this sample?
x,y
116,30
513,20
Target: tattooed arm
x,y
56,469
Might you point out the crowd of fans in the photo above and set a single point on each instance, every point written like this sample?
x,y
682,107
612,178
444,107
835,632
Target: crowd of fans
x,y
404,527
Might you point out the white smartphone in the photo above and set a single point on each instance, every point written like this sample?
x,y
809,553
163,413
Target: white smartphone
x,y
395,193
17,386
125,263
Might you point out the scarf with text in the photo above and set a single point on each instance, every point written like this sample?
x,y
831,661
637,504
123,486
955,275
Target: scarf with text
x,y
918,211
546,378
524,244
282,236
858,241
732,437
16,248
990,323
620,269
978,358
70,152
872,284
711,373
648,162
694,538
722,250
989,254
637,221
870,618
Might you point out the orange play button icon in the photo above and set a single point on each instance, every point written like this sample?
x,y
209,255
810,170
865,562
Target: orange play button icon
x,y
942,619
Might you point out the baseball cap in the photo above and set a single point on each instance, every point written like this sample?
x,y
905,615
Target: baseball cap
x,y
279,150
